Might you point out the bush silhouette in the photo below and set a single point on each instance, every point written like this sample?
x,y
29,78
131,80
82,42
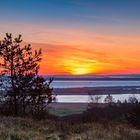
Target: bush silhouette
x,y
134,116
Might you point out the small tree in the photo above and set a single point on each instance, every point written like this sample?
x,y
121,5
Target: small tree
x,y
125,101
133,100
21,66
109,99
93,98
118,102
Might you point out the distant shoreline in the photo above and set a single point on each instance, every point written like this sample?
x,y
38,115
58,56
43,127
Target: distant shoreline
x,y
97,90
95,79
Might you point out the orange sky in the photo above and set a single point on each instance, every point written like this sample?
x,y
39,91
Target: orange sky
x,y
78,50
83,52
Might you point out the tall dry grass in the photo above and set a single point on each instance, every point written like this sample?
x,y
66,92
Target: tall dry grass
x,y
28,129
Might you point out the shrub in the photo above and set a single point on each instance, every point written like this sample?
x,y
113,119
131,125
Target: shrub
x,y
134,116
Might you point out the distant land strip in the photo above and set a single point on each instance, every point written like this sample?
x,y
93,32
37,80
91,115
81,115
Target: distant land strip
x,y
97,90
96,79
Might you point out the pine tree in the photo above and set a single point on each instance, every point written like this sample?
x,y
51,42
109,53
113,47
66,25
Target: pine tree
x,y
21,65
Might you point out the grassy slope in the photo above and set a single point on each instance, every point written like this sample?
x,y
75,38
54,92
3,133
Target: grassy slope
x,y
65,112
27,129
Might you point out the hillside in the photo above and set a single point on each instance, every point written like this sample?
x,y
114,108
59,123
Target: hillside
x,y
28,129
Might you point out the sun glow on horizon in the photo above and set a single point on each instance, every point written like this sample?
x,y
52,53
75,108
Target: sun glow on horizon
x,y
80,71
77,67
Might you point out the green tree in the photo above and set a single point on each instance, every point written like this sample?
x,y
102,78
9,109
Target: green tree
x,y
21,65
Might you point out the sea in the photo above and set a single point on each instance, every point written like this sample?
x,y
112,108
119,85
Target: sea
x,y
63,82
93,83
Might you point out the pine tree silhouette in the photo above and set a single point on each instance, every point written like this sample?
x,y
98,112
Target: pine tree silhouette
x,y
21,65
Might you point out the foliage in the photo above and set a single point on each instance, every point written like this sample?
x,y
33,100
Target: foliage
x,y
118,102
134,116
109,99
28,129
133,100
94,99
27,92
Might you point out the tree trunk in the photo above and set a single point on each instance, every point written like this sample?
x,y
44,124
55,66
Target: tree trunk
x,y
13,86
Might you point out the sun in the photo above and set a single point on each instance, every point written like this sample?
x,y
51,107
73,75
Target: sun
x,y
80,71
78,66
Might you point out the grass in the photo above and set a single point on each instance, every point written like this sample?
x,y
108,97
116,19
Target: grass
x,y
27,129
65,112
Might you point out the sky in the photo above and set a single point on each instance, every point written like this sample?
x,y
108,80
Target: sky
x,y
77,36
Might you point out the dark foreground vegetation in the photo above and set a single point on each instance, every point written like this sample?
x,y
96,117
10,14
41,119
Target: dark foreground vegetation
x,y
86,126
108,122
24,113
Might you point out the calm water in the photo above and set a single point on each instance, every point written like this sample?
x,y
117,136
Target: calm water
x,y
86,98
89,83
